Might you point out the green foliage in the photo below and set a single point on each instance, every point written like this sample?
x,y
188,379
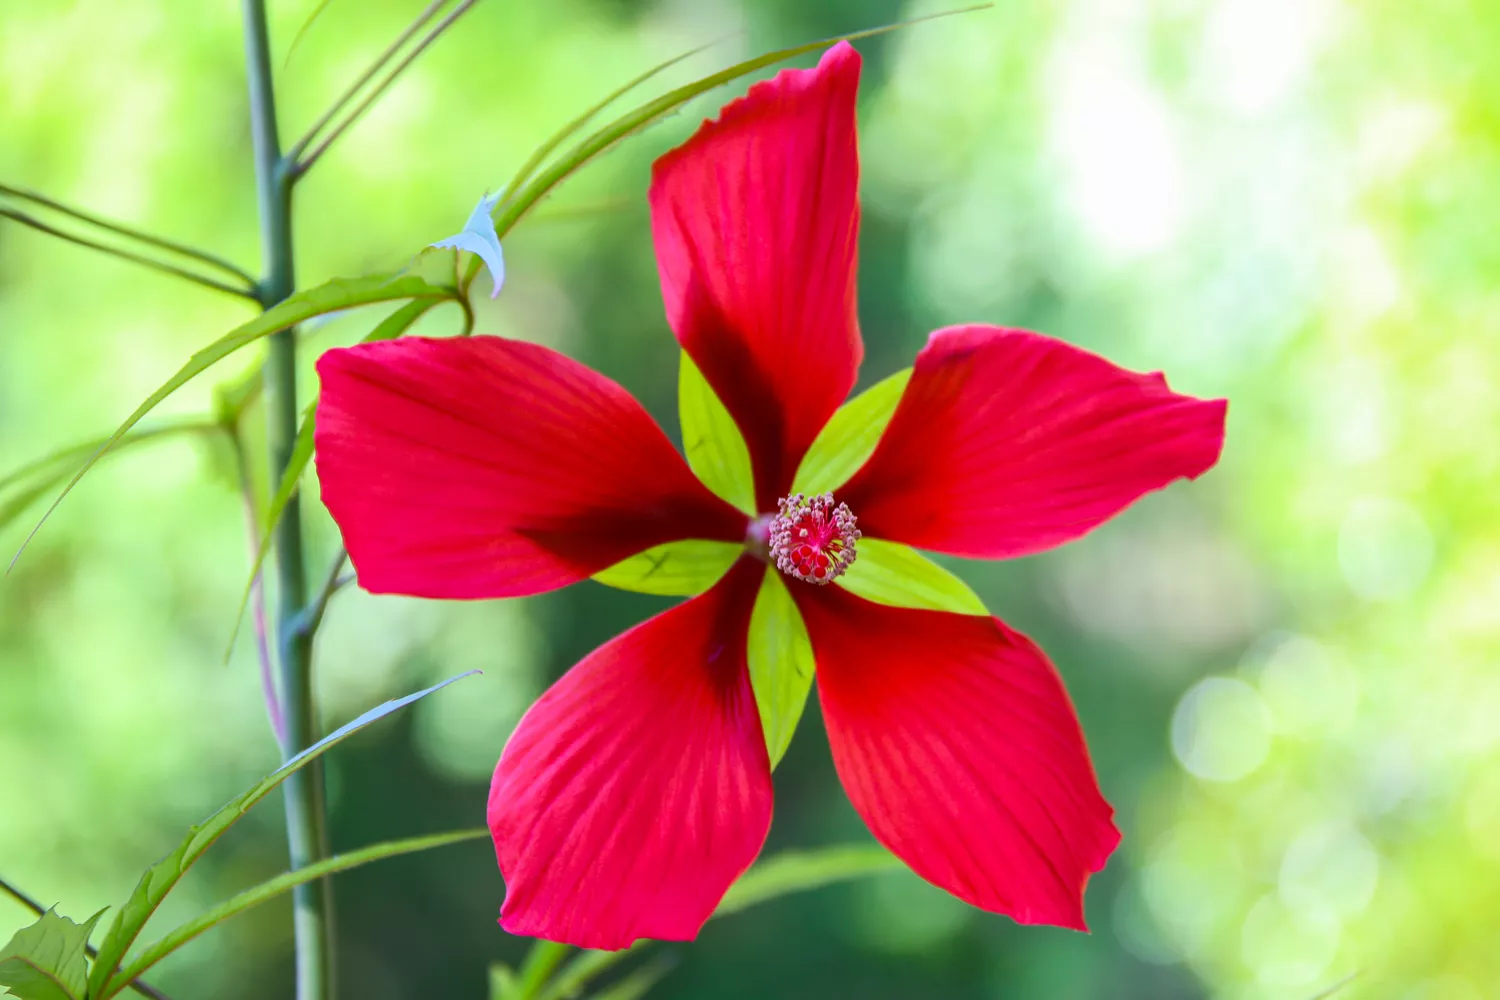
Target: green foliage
x,y
47,960
682,568
639,982
163,876
657,110
781,662
341,293
785,874
540,154
22,487
849,437
389,328
892,573
801,871
272,888
528,982
715,448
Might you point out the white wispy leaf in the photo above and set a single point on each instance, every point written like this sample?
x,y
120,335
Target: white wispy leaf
x,y
478,237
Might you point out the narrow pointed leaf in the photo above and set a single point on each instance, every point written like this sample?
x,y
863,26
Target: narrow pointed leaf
x,y
849,438
389,328
37,478
67,456
712,441
334,295
898,575
163,876
582,970
639,982
47,960
502,982
681,569
652,112
272,888
786,873
291,49
801,871
478,238
781,663
572,128
541,961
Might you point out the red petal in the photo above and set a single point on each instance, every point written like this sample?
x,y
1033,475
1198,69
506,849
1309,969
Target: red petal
x,y
482,467
638,788
957,744
1007,442
755,220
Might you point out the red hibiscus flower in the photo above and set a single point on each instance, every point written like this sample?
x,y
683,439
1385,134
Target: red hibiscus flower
x,y
638,788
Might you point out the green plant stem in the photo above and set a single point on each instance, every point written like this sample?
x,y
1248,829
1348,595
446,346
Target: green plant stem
x,y
304,164
334,579
243,291
428,13
143,988
139,235
306,811
257,589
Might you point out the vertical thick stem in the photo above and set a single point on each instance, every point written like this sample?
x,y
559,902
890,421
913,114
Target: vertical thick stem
x,y
306,816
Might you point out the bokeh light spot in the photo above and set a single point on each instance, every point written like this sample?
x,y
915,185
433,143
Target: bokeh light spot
x,y
1221,730
1331,867
1385,549
1285,947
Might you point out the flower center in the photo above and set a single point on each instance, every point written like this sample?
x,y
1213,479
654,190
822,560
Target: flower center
x,y
812,538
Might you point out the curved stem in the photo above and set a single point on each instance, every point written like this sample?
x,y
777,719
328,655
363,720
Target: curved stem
x,y
160,242
300,146
303,165
306,817
258,590
244,292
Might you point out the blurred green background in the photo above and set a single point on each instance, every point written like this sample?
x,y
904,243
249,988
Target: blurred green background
x,y
1287,672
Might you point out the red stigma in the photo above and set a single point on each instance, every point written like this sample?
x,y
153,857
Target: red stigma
x,y
812,538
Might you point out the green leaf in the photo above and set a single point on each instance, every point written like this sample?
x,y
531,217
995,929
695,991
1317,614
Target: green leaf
x,y
48,463
389,328
781,662
163,876
680,569
41,476
306,26
401,320
541,961
572,128
639,982
502,981
46,961
330,297
800,871
275,887
787,873
715,448
849,438
581,971
898,575
659,109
